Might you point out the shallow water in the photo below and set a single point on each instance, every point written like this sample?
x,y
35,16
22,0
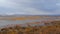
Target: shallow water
x,y
6,22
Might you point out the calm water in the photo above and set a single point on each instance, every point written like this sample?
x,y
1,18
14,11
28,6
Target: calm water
x,y
6,22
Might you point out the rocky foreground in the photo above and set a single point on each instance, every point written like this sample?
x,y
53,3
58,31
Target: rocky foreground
x,y
52,27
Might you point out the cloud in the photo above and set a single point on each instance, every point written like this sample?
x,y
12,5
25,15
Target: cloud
x,y
33,7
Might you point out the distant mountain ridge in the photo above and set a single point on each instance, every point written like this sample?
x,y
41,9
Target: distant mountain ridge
x,y
28,15
20,15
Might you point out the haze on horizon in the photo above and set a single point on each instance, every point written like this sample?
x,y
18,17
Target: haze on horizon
x,y
30,7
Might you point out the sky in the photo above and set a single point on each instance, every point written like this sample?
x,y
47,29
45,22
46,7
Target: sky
x,y
30,7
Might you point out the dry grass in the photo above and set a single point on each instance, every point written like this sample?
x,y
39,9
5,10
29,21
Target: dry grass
x,y
21,18
49,28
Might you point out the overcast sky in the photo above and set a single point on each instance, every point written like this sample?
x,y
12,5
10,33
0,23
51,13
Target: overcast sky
x,y
33,7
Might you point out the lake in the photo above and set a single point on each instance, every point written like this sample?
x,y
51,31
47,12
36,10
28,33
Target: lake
x,y
6,22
